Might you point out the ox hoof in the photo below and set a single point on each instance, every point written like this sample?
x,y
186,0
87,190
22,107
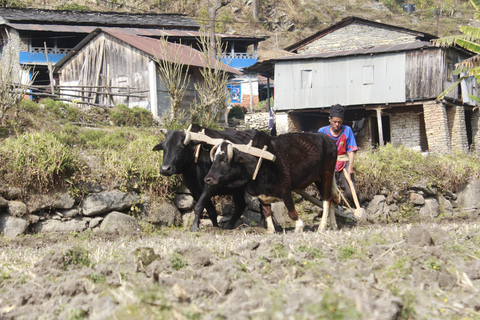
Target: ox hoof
x,y
194,228
322,227
299,226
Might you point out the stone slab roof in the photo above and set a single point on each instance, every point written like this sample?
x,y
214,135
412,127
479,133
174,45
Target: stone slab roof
x,y
110,19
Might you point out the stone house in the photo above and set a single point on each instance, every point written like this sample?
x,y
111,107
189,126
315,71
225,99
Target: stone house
x,y
388,75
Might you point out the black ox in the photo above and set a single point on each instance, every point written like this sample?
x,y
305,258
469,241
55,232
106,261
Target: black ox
x,y
301,159
179,158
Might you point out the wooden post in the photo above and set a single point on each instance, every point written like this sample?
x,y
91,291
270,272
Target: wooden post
x,y
99,69
380,127
251,91
50,73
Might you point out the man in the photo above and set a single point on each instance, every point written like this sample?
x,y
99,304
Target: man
x,y
346,146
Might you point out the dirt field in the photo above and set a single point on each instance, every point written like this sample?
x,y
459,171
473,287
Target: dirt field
x,y
421,271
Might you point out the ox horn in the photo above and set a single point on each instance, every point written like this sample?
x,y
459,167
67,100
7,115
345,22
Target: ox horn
x,y
229,152
212,152
187,135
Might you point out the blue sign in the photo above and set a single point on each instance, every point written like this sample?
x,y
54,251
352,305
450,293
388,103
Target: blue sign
x,y
235,93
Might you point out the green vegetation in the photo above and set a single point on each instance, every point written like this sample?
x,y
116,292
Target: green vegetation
x,y
236,112
97,278
311,252
77,256
279,251
77,314
433,265
37,161
73,7
178,262
397,168
44,148
346,252
122,115
470,40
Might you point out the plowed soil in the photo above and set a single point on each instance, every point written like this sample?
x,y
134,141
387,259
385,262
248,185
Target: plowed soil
x,y
419,271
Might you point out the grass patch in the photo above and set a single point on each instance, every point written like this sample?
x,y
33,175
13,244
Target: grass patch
x,y
178,262
346,252
37,161
279,251
433,265
398,168
311,252
77,256
136,116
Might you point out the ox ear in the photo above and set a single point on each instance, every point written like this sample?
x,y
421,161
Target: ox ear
x,y
238,157
158,147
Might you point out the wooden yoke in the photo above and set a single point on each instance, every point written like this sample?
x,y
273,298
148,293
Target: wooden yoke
x,y
247,148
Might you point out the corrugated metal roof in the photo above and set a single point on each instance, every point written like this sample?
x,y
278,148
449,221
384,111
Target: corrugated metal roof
x,y
266,67
51,27
150,32
381,49
174,52
32,16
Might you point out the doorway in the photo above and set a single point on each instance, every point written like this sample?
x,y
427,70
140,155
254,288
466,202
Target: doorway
x,y
385,131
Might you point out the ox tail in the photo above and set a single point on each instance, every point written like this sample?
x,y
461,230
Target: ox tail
x,y
335,193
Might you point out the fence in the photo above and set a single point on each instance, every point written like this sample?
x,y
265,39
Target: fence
x,y
86,94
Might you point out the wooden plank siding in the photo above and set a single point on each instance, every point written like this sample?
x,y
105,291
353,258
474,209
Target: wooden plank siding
x,y
122,66
424,73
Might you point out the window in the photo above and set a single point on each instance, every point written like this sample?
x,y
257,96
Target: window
x,y
367,74
306,79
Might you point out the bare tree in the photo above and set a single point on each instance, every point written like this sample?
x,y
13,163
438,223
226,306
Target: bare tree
x,y
212,13
174,74
212,94
14,82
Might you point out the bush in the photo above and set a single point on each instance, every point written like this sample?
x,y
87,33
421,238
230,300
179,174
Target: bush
x,y
136,116
135,165
262,106
29,106
37,161
236,112
52,106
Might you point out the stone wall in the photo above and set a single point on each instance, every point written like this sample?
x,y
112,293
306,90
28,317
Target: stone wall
x,y
405,130
436,125
476,129
281,122
257,120
356,36
457,128
364,142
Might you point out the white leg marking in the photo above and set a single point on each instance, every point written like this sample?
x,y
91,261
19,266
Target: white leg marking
x,y
270,227
333,221
299,226
326,210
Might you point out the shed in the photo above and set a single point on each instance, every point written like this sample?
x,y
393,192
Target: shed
x,y
127,63
389,75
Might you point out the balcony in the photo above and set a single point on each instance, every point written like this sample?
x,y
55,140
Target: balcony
x,y
37,55
239,60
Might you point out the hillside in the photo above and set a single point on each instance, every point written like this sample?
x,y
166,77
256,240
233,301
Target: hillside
x,y
287,21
